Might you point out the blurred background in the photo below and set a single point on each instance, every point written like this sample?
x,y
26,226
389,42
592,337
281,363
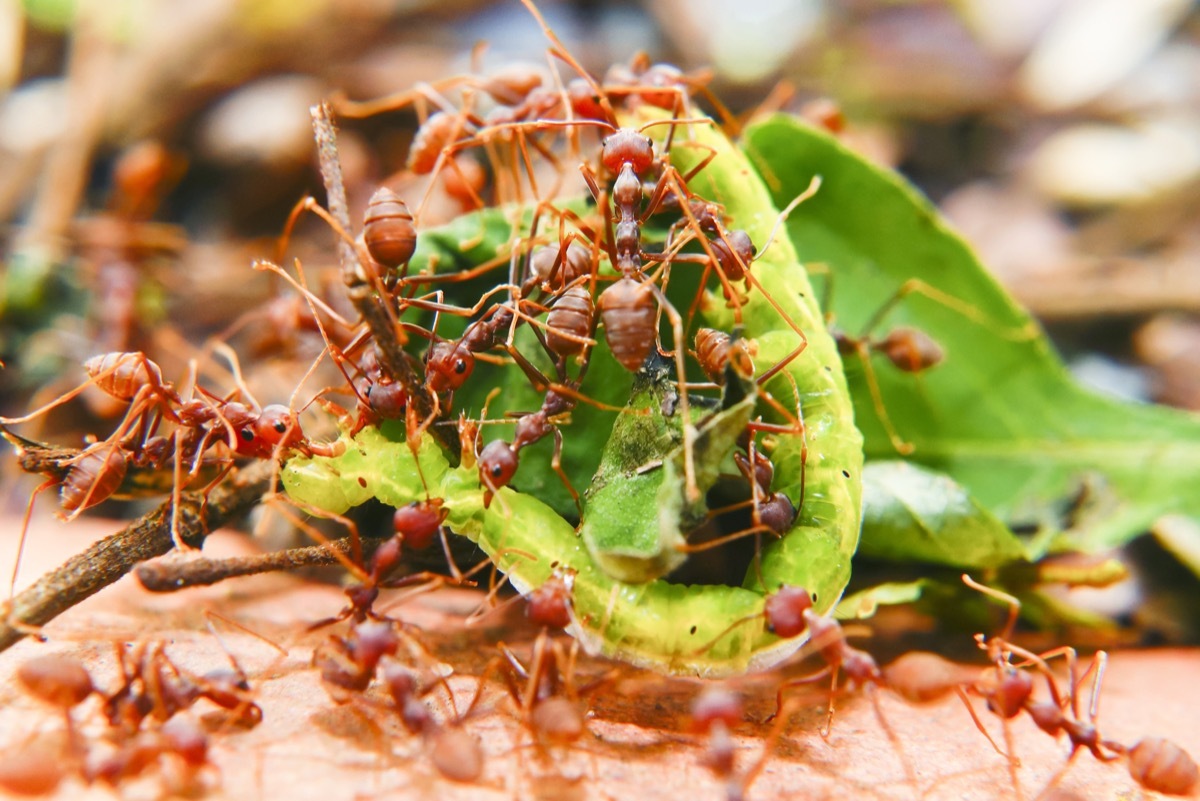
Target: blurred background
x,y
151,149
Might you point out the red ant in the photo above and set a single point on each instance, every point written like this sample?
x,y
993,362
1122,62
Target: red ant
x,y
180,739
61,681
548,700
415,525
772,511
152,685
714,713
350,664
498,461
1008,689
1155,763
908,349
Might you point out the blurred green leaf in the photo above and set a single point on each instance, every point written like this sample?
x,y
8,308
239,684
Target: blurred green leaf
x,y
916,515
864,603
1000,415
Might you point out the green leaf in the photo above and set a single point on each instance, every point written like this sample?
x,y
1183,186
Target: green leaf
x,y
1001,416
911,514
637,508
864,603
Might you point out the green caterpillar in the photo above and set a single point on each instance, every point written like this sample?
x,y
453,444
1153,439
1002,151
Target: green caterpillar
x,y
698,630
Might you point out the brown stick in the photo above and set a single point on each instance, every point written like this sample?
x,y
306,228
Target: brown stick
x,y
358,288
149,536
165,575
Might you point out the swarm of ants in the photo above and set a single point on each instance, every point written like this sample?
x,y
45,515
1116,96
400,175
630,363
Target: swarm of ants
x,y
217,451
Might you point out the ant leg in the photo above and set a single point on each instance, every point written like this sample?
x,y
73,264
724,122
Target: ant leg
x,y
556,464
689,430
12,584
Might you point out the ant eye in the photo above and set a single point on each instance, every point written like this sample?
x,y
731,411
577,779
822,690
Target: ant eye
x,y
281,427
460,366
497,471
247,434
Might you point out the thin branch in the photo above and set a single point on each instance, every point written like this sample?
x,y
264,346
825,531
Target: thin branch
x,y
168,575
149,536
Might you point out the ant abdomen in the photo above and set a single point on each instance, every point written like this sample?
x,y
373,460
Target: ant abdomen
x,y
56,679
911,350
1163,767
95,474
571,315
123,375
388,229
432,137
629,313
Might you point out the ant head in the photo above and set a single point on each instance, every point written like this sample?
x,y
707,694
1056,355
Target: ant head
x,y
1011,691
276,424
550,604
497,464
449,365
628,146
584,101
784,610
418,523
777,513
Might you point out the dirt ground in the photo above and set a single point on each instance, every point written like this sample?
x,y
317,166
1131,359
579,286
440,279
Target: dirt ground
x,y
308,747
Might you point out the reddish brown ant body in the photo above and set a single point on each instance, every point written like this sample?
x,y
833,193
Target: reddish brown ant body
x,y
179,739
389,234
714,714
549,605
155,687
152,685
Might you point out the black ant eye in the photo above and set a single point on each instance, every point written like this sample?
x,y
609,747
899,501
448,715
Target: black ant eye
x,y
281,427
497,471
460,366
247,435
